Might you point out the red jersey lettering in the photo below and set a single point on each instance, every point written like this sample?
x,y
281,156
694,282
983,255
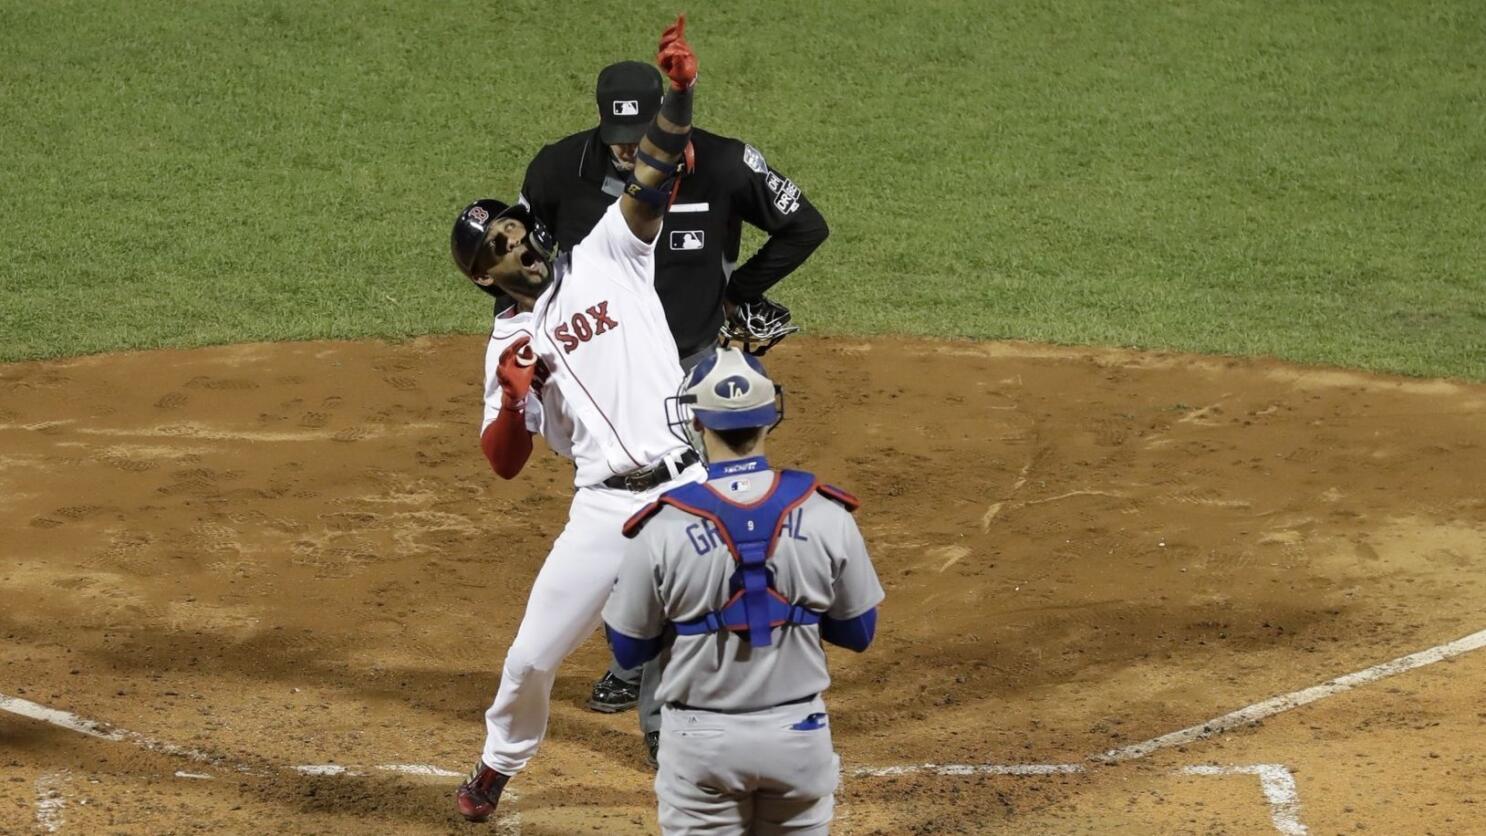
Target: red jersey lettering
x,y
601,320
564,336
581,329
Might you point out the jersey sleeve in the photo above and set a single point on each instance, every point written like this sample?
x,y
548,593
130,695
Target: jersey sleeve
x,y
854,582
772,202
618,252
634,607
505,332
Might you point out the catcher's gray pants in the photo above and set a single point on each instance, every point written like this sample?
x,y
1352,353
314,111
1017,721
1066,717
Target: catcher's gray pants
x,y
764,772
647,676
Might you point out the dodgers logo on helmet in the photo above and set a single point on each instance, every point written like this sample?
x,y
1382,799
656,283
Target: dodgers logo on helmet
x,y
732,388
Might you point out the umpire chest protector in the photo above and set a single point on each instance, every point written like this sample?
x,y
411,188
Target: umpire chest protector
x,y
750,532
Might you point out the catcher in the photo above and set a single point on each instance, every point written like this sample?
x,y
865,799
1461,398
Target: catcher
x,y
733,584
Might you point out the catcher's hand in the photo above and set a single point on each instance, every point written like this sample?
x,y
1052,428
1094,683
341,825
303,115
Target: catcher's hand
x,y
675,57
756,326
519,370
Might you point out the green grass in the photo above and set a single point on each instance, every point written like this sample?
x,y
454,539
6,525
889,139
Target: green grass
x,y
1296,179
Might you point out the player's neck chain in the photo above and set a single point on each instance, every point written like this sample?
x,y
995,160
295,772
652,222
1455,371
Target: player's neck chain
x,y
732,468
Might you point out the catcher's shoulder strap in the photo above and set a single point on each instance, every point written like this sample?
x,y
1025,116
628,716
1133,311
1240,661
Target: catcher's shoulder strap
x,y
750,531
638,519
846,500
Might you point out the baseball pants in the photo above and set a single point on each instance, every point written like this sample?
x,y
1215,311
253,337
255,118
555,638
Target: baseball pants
x,y
563,609
764,772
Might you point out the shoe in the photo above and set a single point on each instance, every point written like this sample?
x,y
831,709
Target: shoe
x,y
612,695
479,794
652,747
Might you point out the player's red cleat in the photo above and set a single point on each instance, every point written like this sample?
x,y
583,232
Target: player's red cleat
x,y
479,794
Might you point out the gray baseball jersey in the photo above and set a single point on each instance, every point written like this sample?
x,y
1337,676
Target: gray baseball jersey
x,y
677,568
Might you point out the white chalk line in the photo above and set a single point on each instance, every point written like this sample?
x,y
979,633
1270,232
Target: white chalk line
x,y
1278,786
1275,781
969,769
49,801
72,722
424,769
1285,702
1280,790
1243,716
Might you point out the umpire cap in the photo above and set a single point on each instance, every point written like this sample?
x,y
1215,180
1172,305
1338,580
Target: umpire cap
x,y
629,95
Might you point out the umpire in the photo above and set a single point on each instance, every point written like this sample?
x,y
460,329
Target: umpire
x,y
727,182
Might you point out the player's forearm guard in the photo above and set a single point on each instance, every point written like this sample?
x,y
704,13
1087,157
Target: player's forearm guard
x,y
676,108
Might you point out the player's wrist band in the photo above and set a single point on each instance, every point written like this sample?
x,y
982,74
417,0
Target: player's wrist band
x,y
656,197
663,167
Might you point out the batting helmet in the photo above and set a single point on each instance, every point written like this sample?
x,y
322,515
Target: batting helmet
x,y
472,253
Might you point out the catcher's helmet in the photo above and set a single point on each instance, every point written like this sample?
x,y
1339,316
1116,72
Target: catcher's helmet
x,y
728,391
469,248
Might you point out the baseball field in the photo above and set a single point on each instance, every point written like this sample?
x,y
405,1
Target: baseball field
x,y
1152,335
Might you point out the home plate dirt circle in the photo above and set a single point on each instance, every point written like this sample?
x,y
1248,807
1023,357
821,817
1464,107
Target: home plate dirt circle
x,y
282,555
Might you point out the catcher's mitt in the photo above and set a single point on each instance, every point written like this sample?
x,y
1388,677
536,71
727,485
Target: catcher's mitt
x,y
756,326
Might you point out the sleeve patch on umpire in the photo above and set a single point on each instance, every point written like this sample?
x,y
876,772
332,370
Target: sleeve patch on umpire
x,y
754,160
786,193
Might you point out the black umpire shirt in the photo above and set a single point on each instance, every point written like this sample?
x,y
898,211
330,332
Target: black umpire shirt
x,y
572,181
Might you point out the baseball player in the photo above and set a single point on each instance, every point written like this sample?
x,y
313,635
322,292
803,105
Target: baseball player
x,y
734,584
726,182
585,358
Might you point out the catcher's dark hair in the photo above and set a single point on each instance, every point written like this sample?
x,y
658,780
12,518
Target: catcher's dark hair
x,y
742,440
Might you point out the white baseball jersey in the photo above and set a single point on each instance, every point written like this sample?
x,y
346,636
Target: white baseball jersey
x,y
546,412
602,332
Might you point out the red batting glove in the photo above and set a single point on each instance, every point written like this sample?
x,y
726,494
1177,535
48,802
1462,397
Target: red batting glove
x,y
517,368
675,57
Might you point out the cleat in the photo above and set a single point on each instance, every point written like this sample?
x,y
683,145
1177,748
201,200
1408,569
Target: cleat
x,y
479,794
612,695
652,748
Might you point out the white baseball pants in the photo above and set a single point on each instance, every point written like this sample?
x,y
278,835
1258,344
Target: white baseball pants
x,y
563,609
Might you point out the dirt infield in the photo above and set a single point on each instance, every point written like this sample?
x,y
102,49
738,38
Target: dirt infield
x,y
253,558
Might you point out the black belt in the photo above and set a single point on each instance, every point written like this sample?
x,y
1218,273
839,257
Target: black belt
x,y
639,481
684,707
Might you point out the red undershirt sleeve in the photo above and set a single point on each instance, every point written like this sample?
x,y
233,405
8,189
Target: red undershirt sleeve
x,y
507,443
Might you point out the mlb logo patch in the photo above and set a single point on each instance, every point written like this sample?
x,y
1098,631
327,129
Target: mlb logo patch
x,y
688,239
626,107
754,160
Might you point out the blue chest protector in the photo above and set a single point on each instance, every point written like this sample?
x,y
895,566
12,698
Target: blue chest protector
x,y
750,533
